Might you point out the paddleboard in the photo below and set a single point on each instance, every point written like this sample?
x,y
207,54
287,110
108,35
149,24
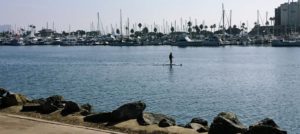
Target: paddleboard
x,y
167,64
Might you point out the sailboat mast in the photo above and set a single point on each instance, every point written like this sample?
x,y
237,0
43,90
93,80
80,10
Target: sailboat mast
x,y
257,23
223,18
230,21
121,23
288,17
98,23
181,24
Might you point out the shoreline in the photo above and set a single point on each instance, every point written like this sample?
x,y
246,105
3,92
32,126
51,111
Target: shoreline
x,y
128,118
26,124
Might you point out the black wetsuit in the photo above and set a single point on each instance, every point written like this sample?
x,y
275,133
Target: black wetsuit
x,y
171,58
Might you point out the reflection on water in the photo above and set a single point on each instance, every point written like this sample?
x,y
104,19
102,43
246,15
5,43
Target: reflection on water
x,y
171,71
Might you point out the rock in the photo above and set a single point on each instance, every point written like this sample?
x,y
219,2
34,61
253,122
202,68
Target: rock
x,y
50,104
181,125
0,102
99,118
14,100
47,108
129,111
199,121
56,100
265,126
85,113
151,118
30,107
3,92
70,107
87,107
40,101
203,129
197,127
226,123
266,122
166,123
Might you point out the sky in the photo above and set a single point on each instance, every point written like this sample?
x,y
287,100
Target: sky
x,y
79,14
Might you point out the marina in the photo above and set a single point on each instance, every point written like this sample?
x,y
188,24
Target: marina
x,y
188,33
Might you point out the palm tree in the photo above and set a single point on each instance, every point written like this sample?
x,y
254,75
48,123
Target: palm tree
x,y
214,27
197,29
132,31
33,28
118,31
211,27
267,23
145,30
234,26
155,30
243,26
220,27
201,27
172,29
127,30
140,25
190,25
205,27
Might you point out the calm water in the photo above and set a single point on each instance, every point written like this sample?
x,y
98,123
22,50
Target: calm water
x,y
253,82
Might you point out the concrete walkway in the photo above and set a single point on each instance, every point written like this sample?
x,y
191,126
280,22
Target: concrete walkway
x,y
14,124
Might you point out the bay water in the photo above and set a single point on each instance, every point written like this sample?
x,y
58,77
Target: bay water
x,y
253,82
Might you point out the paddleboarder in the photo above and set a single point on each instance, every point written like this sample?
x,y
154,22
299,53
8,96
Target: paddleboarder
x,y
171,58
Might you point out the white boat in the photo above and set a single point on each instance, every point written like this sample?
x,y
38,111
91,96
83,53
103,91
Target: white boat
x,y
187,42
285,43
212,41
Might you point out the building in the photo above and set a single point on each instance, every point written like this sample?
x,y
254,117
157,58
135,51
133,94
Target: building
x,y
288,14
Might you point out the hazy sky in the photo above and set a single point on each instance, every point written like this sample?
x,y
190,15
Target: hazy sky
x,y
80,13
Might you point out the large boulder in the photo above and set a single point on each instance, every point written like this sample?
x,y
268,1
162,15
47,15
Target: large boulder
x,y
50,104
129,111
87,107
3,92
265,126
70,107
40,101
99,118
14,100
199,121
198,127
56,100
166,123
226,123
48,108
152,118
31,107
1,102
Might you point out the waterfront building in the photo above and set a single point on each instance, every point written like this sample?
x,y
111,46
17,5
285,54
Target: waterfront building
x,y
288,14
287,18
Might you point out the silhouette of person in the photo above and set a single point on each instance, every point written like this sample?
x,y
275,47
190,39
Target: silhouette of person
x,y
171,58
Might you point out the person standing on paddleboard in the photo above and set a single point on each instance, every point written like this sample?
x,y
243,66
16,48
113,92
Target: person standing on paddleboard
x,y
171,58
